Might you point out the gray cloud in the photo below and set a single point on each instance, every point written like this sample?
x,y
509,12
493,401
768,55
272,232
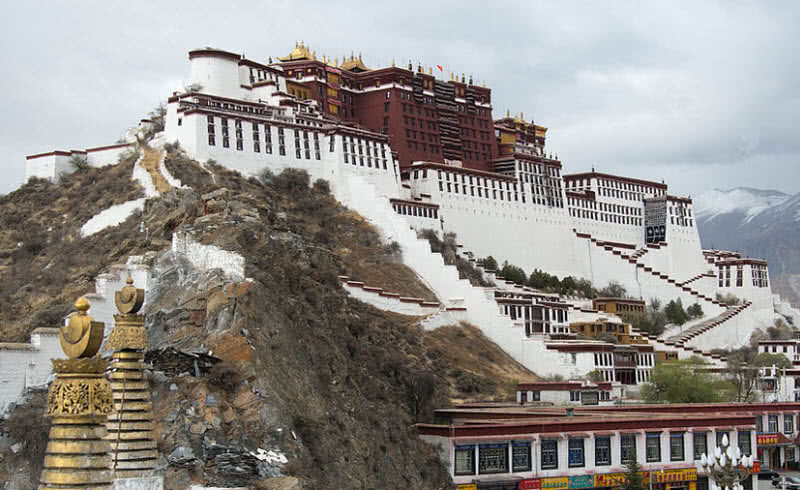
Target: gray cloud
x,y
703,94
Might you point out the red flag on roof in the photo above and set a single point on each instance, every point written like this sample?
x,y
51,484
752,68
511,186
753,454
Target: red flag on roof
x,y
440,67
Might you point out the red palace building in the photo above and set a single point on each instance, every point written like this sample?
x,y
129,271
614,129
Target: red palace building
x,y
425,118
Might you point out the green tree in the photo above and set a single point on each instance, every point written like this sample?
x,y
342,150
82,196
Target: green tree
x,y
634,479
675,312
768,359
695,311
686,381
513,273
489,263
595,375
613,290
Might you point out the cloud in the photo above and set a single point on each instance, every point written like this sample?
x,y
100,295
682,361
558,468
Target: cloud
x,y
694,92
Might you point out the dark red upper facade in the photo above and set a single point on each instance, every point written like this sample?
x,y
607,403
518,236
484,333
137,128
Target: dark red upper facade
x,y
426,119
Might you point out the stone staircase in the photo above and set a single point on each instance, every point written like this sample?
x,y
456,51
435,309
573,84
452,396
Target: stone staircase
x,y
471,302
708,324
614,249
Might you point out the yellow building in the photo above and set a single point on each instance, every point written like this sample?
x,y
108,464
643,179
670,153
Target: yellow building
x,y
602,327
618,305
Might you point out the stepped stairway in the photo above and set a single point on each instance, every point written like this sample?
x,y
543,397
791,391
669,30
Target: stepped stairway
x,y
708,324
695,278
614,248
360,195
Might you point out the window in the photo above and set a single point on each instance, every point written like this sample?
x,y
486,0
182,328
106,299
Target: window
x,y
281,142
759,424
676,447
549,454
700,444
492,458
465,460
521,456
627,446
772,425
653,448
788,422
576,458
602,451
743,438
574,396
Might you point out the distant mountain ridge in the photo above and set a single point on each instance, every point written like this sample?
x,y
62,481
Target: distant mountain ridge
x,y
759,223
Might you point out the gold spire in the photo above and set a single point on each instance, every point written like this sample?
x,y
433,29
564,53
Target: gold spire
x,y
430,70
78,402
508,112
484,84
393,65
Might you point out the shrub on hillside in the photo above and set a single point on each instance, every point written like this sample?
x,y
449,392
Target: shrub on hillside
x,y
79,162
447,246
291,180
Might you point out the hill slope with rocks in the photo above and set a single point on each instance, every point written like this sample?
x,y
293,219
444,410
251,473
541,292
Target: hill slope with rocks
x,y
280,380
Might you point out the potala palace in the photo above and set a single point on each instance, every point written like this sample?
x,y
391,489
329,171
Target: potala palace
x,y
409,151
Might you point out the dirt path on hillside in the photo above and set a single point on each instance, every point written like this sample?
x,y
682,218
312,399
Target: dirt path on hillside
x,y
150,163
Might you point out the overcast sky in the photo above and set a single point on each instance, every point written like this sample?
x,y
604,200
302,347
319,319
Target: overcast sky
x,y
701,94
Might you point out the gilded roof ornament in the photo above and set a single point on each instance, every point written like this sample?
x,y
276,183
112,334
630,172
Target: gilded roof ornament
x,y
82,337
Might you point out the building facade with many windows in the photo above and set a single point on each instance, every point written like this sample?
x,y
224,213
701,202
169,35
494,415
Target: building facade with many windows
x,y
581,447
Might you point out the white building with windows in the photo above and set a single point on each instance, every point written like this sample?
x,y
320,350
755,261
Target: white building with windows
x,y
251,116
538,448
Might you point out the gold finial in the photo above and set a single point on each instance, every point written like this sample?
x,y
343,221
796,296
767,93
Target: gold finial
x,y
393,65
82,305
522,115
430,70
296,45
352,55
82,336
359,56
484,84
335,61
451,76
508,112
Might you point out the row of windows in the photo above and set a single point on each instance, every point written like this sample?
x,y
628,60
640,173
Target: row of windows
x,y
420,211
354,150
494,458
608,218
772,423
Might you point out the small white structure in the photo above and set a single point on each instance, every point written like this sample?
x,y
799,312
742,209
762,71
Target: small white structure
x,y
54,164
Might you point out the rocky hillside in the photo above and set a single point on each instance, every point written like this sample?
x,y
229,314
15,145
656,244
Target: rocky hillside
x,y
759,223
281,379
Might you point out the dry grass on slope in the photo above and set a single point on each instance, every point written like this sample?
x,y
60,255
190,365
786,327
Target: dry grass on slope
x,y
348,235
44,262
474,366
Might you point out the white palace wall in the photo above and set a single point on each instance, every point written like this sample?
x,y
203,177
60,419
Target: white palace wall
x,y
25,366
54,164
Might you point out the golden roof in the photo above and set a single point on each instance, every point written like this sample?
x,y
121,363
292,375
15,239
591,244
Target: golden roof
x,y
300,52
353,64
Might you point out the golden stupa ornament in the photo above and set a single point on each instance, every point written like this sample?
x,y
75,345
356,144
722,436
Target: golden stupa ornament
x,y
78,401
134,450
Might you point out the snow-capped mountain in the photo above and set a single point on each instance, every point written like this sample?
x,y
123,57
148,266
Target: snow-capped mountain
x,y
745,200
759,223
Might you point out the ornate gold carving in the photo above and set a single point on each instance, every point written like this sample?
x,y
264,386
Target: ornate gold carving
x,y
91,365
79,396
82,336
127,338
79,401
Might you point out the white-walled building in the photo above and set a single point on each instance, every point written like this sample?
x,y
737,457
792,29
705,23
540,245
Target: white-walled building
x,y
538,448
489,181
